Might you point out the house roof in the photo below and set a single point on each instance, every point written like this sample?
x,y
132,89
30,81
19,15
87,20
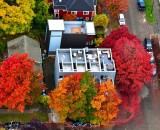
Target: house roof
x,y
90,28
24,44
56,25
75,5
68,26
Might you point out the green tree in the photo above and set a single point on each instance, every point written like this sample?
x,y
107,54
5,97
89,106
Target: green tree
x,y
16,17
101,20
42,13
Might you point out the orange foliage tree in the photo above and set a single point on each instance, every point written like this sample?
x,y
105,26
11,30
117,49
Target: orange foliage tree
x,y
106,103
18,82
36,86
77,98
69,17
14,81
114,7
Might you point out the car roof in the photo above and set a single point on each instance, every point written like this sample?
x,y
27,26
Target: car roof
x,y
121,15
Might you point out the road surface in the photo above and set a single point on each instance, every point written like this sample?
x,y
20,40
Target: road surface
x,y
136,21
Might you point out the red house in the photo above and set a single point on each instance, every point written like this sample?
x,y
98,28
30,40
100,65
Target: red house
x,y
84,9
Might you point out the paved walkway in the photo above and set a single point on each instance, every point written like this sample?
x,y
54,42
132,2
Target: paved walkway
x,y
6,111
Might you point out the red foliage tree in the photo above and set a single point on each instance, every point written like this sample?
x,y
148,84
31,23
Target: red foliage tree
x,y
133,67
69,17
115,35
99,9
15,75
114,7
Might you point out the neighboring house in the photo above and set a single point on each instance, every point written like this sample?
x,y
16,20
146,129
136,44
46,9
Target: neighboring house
x,y
83,9
97,61
24,44
68,34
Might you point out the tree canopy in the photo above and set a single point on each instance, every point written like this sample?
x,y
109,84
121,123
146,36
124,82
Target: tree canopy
x,y
79,99
19,84
114,7
101,20
69,17
16,17
41,13
132,65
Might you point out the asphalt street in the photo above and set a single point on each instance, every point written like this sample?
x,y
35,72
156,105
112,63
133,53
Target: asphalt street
x,y
136,21
150,106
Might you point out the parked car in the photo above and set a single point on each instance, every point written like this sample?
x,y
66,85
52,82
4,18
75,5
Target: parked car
x,y
152,57
121,19
148,44
141,5
154,70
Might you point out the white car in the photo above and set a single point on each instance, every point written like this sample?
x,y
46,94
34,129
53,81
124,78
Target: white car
x,y
154,70
151,57
121,19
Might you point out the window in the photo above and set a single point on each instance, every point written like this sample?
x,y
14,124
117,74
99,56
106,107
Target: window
x,y
85,12
73,12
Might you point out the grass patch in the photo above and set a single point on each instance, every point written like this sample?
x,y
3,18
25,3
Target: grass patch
x,y
149,11
23,118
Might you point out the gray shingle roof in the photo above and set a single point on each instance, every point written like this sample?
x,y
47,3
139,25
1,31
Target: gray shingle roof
x,y
76,5
24,44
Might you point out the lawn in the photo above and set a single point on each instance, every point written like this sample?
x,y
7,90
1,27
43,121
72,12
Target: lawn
x,y
150,11
23,118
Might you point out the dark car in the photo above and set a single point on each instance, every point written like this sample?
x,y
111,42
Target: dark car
x,y
148,44
141,5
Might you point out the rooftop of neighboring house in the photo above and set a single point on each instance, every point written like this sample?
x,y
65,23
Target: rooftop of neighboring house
x,y
24,44
80,60
78,27
75,5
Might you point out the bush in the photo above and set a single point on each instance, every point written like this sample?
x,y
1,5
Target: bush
x,y
98,41
101,20
43,100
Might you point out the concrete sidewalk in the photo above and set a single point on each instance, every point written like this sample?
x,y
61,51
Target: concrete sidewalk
x,y
6,111
156,9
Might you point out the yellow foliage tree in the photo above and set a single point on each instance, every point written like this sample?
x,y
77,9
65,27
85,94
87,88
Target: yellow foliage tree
x,y
101,20
16,17
98,41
